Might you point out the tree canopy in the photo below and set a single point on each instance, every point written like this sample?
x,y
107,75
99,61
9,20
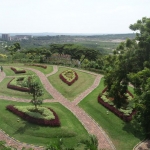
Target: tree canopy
x,y
131,64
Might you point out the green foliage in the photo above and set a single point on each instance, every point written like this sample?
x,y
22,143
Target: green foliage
x,y
112,125
69,75
36,91
91,143
41,112
59,145
13,49
127,110
131,64
21,81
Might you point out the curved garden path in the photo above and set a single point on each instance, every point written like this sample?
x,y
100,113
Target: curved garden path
x,y
90,125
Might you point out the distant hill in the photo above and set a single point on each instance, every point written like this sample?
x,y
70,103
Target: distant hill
x,y
69,34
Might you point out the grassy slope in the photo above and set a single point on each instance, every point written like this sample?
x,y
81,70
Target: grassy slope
x,y
70,92
71,129
121,133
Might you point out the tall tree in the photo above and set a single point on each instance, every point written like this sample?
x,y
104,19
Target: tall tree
x,y
132,64
36,91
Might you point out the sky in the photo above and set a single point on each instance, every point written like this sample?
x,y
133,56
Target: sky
x,y
71,16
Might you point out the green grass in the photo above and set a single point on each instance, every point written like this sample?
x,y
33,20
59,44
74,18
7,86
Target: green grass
x,y
9,72
48,70
18,94
71,129
84,81
14,93
18,69
122,134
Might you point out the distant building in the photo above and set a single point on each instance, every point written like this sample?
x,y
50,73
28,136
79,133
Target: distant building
x,y
6,37
22,37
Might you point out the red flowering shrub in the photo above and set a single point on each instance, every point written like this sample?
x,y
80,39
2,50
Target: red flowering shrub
x,y
117,112
68,80
53,122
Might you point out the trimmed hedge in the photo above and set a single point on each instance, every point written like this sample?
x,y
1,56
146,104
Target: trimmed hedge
x,y
37,65
53,122
14,87
17,71
66,81
115,110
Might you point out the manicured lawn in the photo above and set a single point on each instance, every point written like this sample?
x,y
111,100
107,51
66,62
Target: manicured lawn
x,y
14,93
9,72
84,81
48,70
71,129
122,134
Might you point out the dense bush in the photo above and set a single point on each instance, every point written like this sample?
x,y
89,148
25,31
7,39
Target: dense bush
x,y
68,80
53,122
125,115
18,70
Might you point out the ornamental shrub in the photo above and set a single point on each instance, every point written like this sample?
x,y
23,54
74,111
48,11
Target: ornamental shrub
x,y
53,122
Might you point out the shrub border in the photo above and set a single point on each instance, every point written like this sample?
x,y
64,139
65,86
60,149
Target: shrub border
x,y
53,122
37,65
22,89
65,80
16,71
115,110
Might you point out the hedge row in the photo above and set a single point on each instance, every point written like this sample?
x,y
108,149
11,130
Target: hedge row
x,y
67,82
115,110
17,71
53,122
37,65
14,87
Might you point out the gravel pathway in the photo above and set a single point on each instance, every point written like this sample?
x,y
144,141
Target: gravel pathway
x,y
90,125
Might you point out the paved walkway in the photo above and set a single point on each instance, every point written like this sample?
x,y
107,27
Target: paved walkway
x,y
55,69
90,125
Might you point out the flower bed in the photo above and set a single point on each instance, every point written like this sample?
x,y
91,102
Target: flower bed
x,y
113,109
18,88
69,77
18,70
53,122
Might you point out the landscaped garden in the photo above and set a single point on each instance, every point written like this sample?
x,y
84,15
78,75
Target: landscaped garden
x,y
44,116
39,135
121,133
71,92
70,130
25,113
